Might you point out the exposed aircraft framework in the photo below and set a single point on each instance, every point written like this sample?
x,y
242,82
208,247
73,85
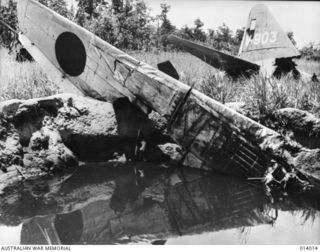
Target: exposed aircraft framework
x,y
214,136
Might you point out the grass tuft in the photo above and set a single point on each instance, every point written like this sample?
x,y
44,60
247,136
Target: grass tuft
x,y
23,80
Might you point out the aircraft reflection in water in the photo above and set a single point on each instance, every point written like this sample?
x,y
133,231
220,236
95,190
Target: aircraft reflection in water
x,y
108,205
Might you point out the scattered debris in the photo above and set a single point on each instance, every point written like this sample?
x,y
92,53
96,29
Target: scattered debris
x,y
292,177
269,178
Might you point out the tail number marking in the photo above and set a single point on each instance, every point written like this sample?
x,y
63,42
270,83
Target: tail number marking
x,y
264,38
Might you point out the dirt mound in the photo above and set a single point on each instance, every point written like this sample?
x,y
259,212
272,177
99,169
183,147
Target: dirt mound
x,y
48,134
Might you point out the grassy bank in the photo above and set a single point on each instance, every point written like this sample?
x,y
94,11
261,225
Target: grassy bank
x,y
262,95
22,80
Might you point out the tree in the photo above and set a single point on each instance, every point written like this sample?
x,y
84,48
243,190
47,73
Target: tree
x,y
127,28
311,52
59,6
224,39
88,9
85,6
291,37
117,5
186,32
72,13
8,14
166,27
237,39
238,36
198,33
8,36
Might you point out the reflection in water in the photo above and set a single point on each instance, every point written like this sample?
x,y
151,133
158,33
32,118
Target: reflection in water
x,y
111,203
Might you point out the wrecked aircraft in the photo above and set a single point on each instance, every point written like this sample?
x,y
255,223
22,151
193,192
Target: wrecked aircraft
x,y
265,47
213,136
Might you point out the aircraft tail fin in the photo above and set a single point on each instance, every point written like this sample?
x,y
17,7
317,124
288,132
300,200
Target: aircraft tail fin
x,y
264,38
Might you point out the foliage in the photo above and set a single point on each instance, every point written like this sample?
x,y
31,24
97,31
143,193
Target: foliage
x,y
195,33
8,14
23,80
266,95
221,39
291,37
166,27
198,33
59,6
219,87
129,29
88,6
311,52
261,94
129,25
88,9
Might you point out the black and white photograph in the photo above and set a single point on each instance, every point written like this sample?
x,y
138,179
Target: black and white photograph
x,y
159,122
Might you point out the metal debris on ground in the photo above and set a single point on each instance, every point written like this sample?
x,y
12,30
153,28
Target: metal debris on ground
x,y
292,176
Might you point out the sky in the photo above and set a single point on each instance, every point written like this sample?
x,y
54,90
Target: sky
x,y
301,17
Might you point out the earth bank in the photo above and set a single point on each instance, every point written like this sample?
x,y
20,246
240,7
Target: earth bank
x,y
46,135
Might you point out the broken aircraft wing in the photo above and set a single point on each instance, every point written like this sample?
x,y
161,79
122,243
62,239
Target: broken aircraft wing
x,y
232,65
213,136
72,55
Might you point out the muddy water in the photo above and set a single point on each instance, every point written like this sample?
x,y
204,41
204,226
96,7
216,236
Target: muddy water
x,y
113,203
